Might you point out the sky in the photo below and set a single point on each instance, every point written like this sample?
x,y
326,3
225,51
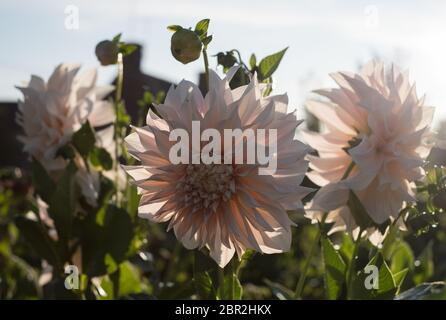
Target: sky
x,y
323,37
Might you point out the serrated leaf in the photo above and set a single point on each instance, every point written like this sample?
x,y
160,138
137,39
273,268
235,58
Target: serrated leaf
x,y
269,64
335,270
387,287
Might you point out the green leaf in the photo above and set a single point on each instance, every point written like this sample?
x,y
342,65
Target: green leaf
x,y
122,117
399,277
201,28
425,266
41,180
116,39
62,206
232,282
421,291
204,286
401,256
347,247
127,49
129,281
207,40
106,239
335,270
174,28
177,291
358,211
66,152
269,64
252,61
203,281
38,240
118,234
387,286
279,291
101,159
84,139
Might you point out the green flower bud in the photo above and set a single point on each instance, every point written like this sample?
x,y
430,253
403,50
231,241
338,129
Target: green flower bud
x,y
107,52
185,46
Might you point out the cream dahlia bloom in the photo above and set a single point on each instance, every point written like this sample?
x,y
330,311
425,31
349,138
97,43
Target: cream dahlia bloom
x,y
375,121
227,208
52,111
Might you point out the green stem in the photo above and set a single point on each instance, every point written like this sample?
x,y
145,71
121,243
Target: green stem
x,y
352,264
114,277
302,278
234,272
120,78
118,98
206,68
348,171
301,282
221,280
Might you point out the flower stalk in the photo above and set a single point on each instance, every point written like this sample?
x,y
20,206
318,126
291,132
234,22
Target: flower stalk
x,y
352,265
206,68
118,98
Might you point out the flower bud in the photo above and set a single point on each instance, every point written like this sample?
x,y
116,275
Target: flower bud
x,y
107,52
185,46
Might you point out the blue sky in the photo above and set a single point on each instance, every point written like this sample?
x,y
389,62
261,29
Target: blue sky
x,y
323,36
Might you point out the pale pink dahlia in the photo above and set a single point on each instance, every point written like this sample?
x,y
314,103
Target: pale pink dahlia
x,y
375,121
227,208
52,111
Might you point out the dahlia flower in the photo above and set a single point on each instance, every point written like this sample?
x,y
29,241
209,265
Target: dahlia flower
x,y
227,208
52,111
376,122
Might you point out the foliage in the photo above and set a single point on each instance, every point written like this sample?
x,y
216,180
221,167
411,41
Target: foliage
x,y
120,256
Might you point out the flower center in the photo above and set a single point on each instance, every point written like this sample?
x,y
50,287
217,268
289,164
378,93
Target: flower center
x,y
206,185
